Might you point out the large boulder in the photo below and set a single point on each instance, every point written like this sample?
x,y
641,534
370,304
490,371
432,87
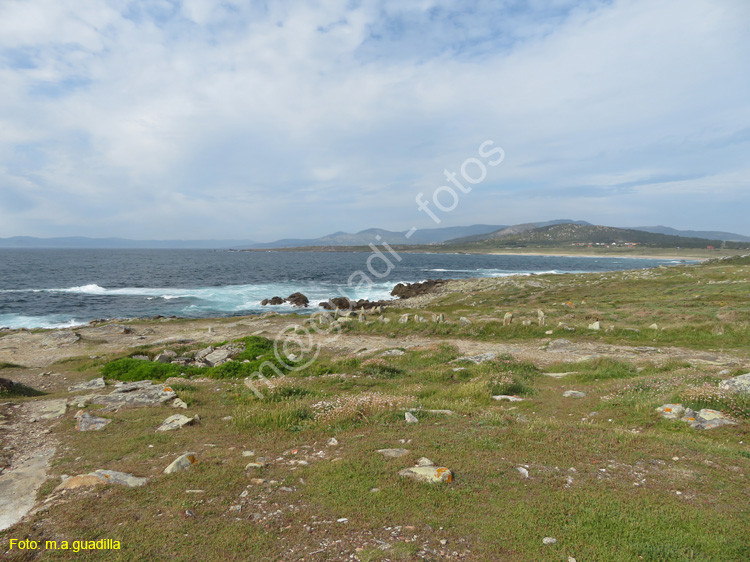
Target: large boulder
x,y
739,384
298,299
274,301
88,385
408,290
136,394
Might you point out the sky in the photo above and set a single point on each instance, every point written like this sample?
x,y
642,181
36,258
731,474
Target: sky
x,y
242,119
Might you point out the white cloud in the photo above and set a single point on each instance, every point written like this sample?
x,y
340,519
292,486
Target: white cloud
x,y
173,117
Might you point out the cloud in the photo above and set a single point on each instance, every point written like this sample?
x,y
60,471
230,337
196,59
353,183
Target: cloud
x,y
197,118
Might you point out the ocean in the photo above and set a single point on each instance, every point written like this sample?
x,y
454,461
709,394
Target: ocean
x,y
66,288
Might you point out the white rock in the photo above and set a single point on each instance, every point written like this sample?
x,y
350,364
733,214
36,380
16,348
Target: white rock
x,y
573,394
182,462
410,418
523,471
549,540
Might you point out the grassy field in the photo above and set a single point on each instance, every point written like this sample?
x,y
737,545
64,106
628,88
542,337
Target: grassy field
x,y
606,475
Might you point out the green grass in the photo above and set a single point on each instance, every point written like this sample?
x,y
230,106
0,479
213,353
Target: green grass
x,y
258,351
4,365
17,390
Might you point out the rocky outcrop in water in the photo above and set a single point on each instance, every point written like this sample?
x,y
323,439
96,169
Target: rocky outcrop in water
x,y
409,290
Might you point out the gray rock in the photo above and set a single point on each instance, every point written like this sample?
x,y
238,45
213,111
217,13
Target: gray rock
x,y
508,397
549,540
88,385
141,357
404,318
523,471
332,442
507,319
207,351
163,358
121,478
175,422
393,453
573,394
478,359
463,321
424,461
559,345
138,394
47,409
432,474
392,353
177,403
740,384
671,411
410,418
61,337
541,317
111,329
183,462
595,326
88,422
707,419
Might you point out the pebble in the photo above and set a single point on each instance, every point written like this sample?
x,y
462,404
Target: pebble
x,y
549,540
410,418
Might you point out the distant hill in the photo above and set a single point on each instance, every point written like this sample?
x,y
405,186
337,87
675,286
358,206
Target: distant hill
x,y
514,230
712,234
82,242
365,237
573,233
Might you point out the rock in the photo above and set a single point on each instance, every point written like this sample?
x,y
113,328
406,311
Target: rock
x,y
121,478
137,394
260,462
740,384
48,409
101,477
87,422
595,326
410,418
217,357
298,299
203,353
163,358
177,403
526,322
671,411
549,540
523,471
88,385
654,326
140,357
61,337
478,359
332,442
707,419
507,319
573,394
248,453
175,422
408,290
81,481
393,453
438,318
541,317
432,474
392,352
182,462
111,329
404,318
507,397
559,345
424,461
463,321
549,332
274,301
361,318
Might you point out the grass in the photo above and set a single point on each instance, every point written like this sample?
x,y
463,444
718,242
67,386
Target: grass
x,y
4,365
258,351
10,389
